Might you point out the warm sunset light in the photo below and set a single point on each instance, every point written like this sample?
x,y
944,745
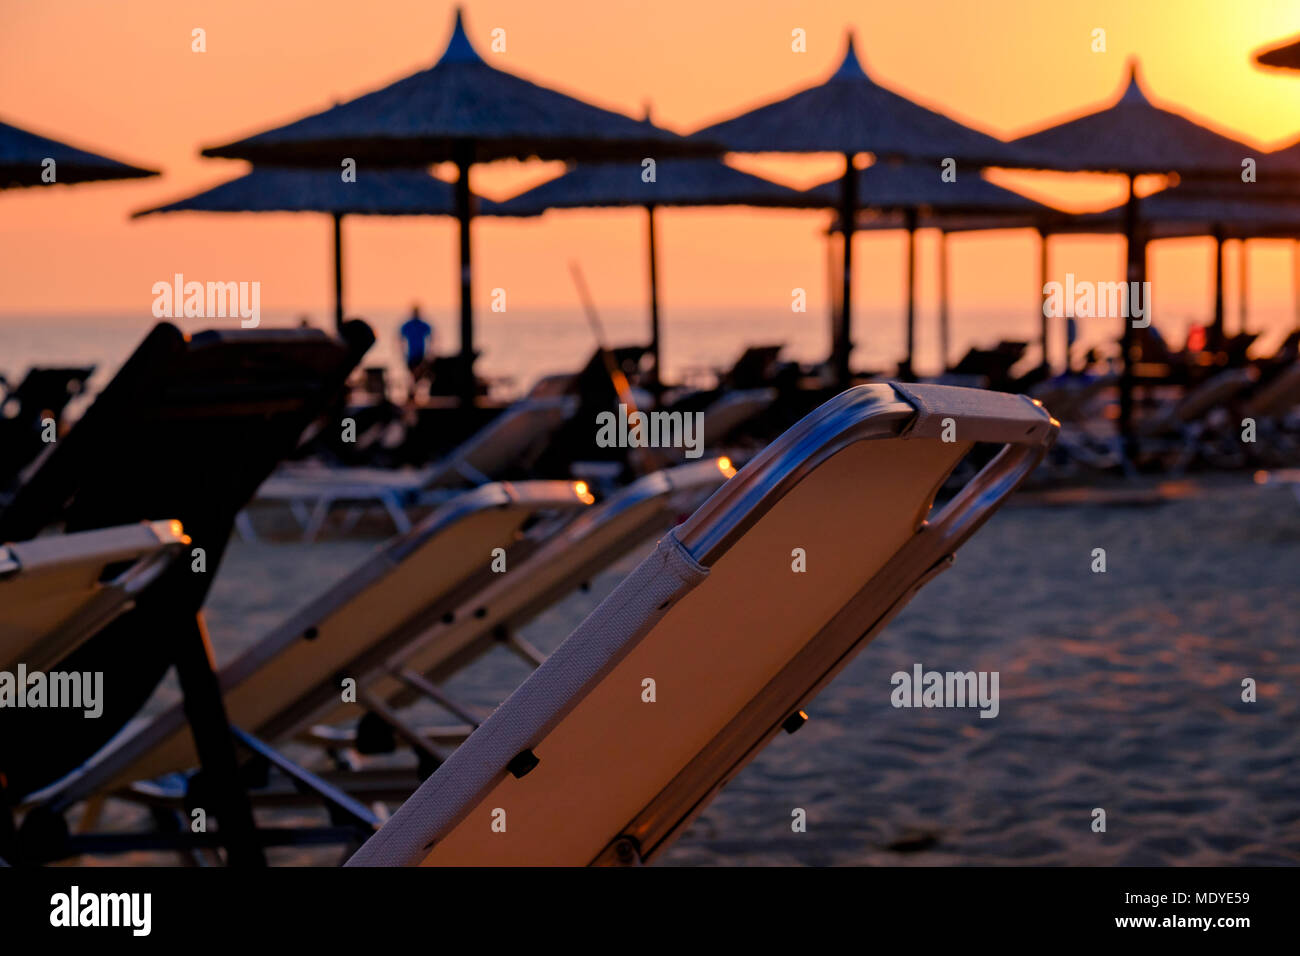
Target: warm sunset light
x,y
537,409
140,94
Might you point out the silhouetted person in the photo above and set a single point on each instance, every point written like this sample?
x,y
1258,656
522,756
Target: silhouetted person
x,y
417,340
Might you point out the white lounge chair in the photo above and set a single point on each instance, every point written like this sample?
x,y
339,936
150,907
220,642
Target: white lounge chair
x,y
511,440
577,767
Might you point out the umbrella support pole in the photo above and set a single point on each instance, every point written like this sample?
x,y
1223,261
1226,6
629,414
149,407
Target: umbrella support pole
x,y
1134,274
1042,309
338,272
655,377
464,212
841,337
905,371
1216,330
944,331
1295,279
1243,286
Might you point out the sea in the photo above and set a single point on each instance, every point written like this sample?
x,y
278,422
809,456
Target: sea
x,y
519,347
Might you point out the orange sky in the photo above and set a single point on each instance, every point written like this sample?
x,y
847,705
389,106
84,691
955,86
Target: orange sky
x,y
120,77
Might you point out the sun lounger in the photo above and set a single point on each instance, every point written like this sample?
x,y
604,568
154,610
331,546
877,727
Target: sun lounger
x,y
1199,401
437,614
43,393
286,680
58,590
722,418
990,367
1183,430
578,767
1072,401
754,369
186,430
591,543
1276,397
1273,407
733,410
509,442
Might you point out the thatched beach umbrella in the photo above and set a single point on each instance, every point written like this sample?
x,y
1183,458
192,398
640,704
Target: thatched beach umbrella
x,y
917,196
464,111
27,159
374,192
850,113
1285,57
1133,137
674,182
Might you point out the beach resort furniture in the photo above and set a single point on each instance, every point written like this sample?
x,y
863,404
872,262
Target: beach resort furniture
x,y
1275,398
714,643
1072,401
597,538
510,442
1083,443
725,414
732,411
421,607
990,367
284,682
1272,405
754,369
1176,429
186,430
58,590
42,394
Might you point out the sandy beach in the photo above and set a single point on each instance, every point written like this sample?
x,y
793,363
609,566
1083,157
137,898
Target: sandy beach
x,y
1119,690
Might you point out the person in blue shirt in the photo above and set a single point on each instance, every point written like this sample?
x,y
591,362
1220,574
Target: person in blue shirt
x,y
417,339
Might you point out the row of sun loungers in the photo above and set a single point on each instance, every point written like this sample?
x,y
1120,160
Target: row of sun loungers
x,y
1202,424
145,490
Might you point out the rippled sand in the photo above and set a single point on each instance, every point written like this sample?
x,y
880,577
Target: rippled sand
x,y
1118,690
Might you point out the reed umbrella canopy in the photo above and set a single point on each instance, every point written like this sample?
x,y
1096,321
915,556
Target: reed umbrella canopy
x,y
374,192
25,161
680,182
464,111
1132,137
851,113
888,186
1284,57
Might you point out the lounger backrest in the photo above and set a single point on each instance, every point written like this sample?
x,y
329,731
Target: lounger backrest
x,y
588,545
584,768
1200,400
283,681
42,392
733,410
510,441
187,429
1213,393
1277,396
56,591
50,389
